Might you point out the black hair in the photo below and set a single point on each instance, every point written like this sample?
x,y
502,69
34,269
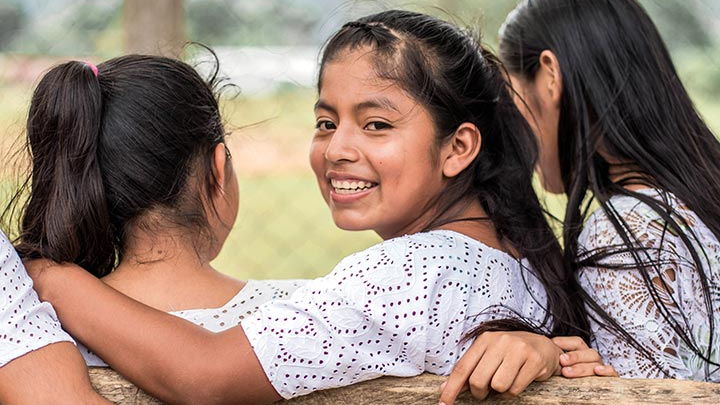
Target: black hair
x,y
622,97
126,145
457,80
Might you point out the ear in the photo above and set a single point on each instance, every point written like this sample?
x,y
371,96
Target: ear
x,y
218,165
462,149
549,73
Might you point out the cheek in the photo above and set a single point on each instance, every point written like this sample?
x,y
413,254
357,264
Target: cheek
x,y
317,158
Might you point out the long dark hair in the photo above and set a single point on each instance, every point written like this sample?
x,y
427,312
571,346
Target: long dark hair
x,y
126,145
448,72
621,95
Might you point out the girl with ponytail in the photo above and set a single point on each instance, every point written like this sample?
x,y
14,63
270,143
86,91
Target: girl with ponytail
x,y
132,181
419,140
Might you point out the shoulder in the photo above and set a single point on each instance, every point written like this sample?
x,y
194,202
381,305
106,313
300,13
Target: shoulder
x,y
638,219
455,253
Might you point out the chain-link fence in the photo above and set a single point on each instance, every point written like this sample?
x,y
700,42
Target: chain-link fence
x,y
269,49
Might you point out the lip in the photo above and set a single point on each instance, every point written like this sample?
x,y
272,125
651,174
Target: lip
x,y
343,198
349,198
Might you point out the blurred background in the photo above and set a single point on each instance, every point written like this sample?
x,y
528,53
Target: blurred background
x,y
270,49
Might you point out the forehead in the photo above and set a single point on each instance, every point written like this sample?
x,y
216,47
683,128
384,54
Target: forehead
x,y
352,76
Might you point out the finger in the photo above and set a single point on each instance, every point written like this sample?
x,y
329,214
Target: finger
x,y
528,373
480,379
570,343
580,356
506,373
463,369
605,371
580,370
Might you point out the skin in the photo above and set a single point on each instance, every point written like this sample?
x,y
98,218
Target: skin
x,y
54,374
515,359
179,362
539,102
170,270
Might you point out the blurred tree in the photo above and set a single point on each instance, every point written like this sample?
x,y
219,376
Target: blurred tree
x,y
154,27
255,23
12,20
681,23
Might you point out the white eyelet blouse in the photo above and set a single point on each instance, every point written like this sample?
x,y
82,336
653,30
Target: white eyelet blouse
x,y
26,324
244,303
401,307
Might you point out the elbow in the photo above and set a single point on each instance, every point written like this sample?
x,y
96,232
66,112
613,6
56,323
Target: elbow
x,y
211,383
197,385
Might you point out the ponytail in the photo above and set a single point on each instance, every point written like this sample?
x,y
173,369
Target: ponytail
x,y
66,216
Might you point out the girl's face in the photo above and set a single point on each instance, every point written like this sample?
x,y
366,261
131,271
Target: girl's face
x,y
543,116
374,152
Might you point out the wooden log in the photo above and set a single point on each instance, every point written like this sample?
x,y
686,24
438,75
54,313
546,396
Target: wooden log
x,y
424,390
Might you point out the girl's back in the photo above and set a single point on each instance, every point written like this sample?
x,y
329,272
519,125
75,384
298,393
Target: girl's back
x,y
617,285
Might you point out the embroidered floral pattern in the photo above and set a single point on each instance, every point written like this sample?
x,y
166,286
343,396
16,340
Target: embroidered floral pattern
x,y
618,287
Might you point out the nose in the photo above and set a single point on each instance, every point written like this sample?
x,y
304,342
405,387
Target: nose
x,y
342,146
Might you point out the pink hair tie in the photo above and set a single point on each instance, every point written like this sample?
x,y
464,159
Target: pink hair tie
x,y
93,68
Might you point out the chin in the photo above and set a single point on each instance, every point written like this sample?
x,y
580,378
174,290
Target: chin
x,y
349,225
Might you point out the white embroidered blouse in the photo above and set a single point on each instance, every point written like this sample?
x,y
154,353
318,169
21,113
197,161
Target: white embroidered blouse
x,y
624,296
399,308
26,324
254,294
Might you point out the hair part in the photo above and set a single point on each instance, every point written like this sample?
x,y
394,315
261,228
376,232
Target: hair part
x,y
448,72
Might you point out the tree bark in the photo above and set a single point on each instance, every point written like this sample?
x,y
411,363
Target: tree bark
x,y
424,390
155,27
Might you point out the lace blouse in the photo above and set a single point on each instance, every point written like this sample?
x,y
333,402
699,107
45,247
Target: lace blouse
x,y
618,287
26,324
399,308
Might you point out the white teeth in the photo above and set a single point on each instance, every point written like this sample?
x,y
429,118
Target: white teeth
x,y
348,187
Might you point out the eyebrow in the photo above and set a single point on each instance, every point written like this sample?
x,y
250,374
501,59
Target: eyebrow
x,y
379,102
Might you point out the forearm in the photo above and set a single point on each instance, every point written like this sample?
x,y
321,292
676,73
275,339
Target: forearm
x,y
169,357
54,374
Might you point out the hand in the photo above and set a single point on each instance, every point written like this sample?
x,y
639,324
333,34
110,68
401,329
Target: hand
x,y
40,270
506,362
581,361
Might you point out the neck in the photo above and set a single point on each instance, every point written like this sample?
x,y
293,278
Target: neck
x,y
471,220
168,271
144,248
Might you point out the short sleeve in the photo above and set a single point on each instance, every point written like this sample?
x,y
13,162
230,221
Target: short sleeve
x,y
617,286
400,308
26,324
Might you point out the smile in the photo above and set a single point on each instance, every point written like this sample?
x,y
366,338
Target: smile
x,y
351,186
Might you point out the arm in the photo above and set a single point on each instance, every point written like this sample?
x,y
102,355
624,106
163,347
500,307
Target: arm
x,y
54,374
170,358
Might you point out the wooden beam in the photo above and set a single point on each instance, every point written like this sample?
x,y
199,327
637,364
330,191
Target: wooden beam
x,y
424,390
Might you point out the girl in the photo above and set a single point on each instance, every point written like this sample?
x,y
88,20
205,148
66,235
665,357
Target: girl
x,y
419,140
614,119
131,179
33,345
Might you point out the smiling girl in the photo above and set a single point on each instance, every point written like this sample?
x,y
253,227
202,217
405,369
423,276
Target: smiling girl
x,y
417,139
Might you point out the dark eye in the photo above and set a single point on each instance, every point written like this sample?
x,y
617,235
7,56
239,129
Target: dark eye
x,y
377,126
325,125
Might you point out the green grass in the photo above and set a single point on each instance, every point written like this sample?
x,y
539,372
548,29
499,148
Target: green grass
x,y
284,230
